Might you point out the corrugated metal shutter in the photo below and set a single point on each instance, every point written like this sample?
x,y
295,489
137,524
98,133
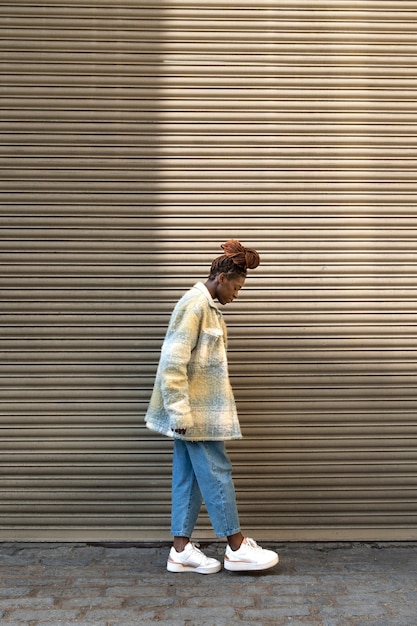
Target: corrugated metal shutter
x,y
136,137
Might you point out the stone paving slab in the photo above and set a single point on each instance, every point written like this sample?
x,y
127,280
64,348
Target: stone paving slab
x,y
315,584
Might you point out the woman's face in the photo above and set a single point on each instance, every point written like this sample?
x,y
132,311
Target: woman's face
x,y
228,288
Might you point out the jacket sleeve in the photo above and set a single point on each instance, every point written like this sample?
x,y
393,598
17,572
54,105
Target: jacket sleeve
x,y
181,339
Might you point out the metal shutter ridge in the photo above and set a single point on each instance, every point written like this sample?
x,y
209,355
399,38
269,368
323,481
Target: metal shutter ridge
x,y
137,137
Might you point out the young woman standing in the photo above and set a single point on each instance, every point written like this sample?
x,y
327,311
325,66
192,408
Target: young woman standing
x,y
192,402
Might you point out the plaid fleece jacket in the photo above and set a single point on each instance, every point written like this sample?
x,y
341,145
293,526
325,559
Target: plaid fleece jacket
x,y
192,388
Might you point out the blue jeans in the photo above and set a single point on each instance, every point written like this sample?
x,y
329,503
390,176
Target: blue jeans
x,y
202,470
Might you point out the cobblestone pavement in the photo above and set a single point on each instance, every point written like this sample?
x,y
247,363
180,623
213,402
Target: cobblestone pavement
x,y
326,584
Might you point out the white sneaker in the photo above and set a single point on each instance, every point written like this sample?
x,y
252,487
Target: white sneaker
x,y
191,559
249,557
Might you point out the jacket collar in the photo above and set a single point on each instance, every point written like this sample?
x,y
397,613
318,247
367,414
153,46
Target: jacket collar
x,y
201,287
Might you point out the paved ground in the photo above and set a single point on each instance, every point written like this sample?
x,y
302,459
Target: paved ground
x,y
343,584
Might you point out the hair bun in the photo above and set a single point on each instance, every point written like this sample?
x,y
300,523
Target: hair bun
x,y
241,256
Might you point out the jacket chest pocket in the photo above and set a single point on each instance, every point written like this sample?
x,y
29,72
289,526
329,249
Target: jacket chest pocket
x,y
211,350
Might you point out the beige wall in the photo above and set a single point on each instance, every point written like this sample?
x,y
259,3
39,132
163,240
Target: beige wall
x,y
135,141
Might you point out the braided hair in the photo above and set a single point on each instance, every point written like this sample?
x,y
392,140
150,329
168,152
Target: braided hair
x,y
235,261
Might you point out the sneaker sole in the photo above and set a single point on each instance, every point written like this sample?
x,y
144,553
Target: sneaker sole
x,y
240,566
180,568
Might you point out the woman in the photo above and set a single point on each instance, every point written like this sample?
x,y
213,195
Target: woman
x,y
193,402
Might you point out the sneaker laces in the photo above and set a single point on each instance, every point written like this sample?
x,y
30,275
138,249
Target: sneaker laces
x,y
195,548
251,543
